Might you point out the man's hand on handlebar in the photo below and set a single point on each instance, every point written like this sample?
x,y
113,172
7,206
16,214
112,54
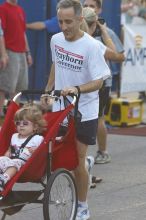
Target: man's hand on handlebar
x,y
46,101
69,90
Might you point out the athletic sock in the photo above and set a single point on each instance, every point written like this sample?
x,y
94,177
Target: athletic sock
x,y
83,204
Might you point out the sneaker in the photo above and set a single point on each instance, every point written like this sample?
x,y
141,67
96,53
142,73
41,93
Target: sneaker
x,y
102,158
96,179
82,213
1,183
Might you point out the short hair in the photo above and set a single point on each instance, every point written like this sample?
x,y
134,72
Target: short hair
x,y
89,15
71,3
98,3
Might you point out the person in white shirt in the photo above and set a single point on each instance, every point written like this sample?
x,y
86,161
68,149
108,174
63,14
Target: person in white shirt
x,y
29,123
78,67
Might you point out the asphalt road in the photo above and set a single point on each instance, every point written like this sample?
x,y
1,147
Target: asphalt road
x,y
122,193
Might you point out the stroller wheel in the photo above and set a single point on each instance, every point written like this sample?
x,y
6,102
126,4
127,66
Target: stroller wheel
x,y
60,196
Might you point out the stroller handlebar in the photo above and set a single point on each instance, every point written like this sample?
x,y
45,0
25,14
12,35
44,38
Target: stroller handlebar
x,y
55,94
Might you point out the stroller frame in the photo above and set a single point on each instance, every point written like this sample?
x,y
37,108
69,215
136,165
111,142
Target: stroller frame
x,y
59,188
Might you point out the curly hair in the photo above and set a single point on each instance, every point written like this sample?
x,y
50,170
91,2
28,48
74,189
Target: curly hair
x,y
32,113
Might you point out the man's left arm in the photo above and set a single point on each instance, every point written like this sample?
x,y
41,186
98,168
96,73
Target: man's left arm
x,y
84,88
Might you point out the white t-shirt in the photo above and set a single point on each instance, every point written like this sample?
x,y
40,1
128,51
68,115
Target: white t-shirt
x,y
16,142
76,63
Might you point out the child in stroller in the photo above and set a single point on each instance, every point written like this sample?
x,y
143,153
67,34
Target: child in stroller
x,y
29,123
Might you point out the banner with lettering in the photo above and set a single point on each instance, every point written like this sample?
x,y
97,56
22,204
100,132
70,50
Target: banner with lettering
x,y
133,73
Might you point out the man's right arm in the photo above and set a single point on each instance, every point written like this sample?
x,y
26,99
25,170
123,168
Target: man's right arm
x,y
39,25
51,80
45,99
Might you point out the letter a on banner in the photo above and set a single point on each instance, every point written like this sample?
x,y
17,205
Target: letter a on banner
x,y
133,74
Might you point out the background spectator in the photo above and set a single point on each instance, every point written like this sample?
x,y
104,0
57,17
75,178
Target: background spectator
x,y
14,77
102,155
129,10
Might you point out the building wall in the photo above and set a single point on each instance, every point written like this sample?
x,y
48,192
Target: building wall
x,y
112,14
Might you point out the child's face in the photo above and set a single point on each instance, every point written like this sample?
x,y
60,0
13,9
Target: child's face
x,y
25,128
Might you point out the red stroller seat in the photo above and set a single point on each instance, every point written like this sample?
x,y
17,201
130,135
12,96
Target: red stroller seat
x,y
64,154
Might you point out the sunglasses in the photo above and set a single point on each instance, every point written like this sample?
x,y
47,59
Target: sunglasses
x,y
91,6
22,123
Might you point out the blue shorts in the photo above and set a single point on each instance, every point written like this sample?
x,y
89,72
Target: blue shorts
x,y
87,131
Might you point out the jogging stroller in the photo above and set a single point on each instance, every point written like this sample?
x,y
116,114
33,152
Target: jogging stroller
x,y
50,165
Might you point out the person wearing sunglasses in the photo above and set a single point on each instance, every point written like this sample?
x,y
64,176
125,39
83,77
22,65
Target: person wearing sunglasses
x,y
29,123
